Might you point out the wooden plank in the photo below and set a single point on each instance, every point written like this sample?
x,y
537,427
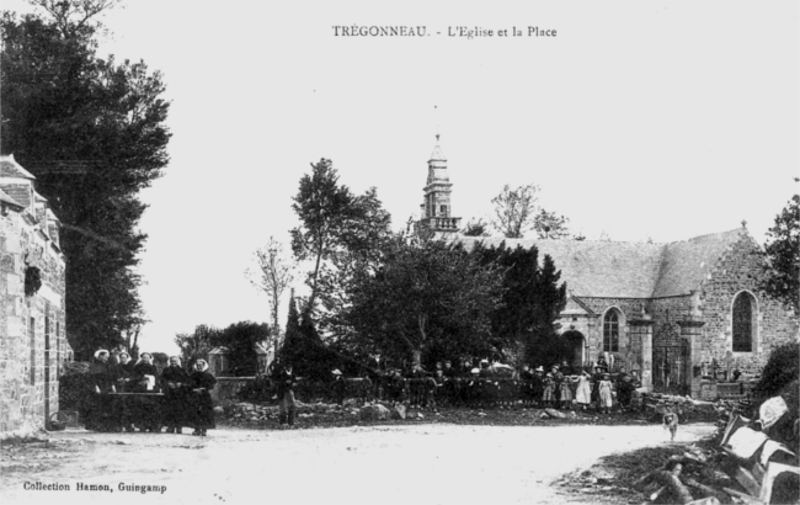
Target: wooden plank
x,y
743,496
758,472
746,479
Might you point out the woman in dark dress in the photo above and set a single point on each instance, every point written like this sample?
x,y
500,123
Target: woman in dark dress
x,y
123,372
148,417
175,384
144,368
201,382
125,383
101,371
98,404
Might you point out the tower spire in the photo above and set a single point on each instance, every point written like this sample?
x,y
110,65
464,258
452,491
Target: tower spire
x,y
436,211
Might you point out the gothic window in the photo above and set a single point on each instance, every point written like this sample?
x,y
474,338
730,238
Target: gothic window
x,y
744,318
611,331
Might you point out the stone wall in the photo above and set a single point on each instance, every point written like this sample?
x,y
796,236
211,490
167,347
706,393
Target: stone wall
x,y
33,344
737,271
227,388
592,327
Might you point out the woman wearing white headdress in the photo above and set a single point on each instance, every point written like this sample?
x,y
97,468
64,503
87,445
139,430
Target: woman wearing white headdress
x,y
175,384
101,372
102,382
201,382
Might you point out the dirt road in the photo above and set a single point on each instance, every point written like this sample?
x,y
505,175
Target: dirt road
x,y
370,465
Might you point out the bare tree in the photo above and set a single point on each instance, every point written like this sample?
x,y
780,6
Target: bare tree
x,y
73,15
518,211
515,210
273,277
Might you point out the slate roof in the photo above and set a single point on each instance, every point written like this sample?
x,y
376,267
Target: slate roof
x,y
21,193
10,168
7,199
628,269
685,264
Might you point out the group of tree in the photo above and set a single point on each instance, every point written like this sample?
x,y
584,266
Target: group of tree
x,y
239,340
92,130
518,211
406,296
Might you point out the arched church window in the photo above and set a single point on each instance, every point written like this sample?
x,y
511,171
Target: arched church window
x,y
744,318
611,331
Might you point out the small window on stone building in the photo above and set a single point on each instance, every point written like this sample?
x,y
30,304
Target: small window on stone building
x,y
443,210
744,318
611,331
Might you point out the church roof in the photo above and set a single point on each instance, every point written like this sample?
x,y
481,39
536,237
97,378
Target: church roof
x,y
606,269
685,264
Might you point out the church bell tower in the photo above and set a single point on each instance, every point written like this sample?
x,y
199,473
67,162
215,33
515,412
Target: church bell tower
x,y
436,213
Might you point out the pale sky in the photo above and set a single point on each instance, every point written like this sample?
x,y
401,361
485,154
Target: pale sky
x,y
661,120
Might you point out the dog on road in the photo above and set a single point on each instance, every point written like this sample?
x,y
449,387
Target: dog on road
x,y
671,424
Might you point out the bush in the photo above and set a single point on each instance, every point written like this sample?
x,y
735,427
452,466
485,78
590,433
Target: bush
x,y
73,391
782,368
261,389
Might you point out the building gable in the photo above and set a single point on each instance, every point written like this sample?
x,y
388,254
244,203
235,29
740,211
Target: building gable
x,y
686,264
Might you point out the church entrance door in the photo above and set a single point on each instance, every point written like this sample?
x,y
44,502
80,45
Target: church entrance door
x,y
576,342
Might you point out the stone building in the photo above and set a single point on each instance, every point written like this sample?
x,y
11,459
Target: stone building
x,y
33,344
673,312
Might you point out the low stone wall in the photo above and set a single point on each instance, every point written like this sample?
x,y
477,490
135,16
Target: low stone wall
x,y
227,388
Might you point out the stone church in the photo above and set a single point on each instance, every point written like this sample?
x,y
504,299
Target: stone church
x,y
33,344
674,313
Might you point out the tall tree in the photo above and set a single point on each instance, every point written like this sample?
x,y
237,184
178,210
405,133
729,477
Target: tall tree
x,y
337,231
781,278
531,303
545,346
273,277
425,297
515,210
303,348
92,132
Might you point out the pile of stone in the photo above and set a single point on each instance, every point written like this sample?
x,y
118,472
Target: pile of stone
x,y
687,409
254,414
754,462
249,414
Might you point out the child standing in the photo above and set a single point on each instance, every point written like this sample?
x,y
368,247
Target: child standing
x,y
583,394
548,396
606,398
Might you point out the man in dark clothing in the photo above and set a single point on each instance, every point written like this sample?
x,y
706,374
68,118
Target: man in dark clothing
x,y
526,385
625,389
285,381
174,383
338,387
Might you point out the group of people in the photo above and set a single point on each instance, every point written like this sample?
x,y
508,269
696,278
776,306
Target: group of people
x,y
562,387
185,396
491,383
